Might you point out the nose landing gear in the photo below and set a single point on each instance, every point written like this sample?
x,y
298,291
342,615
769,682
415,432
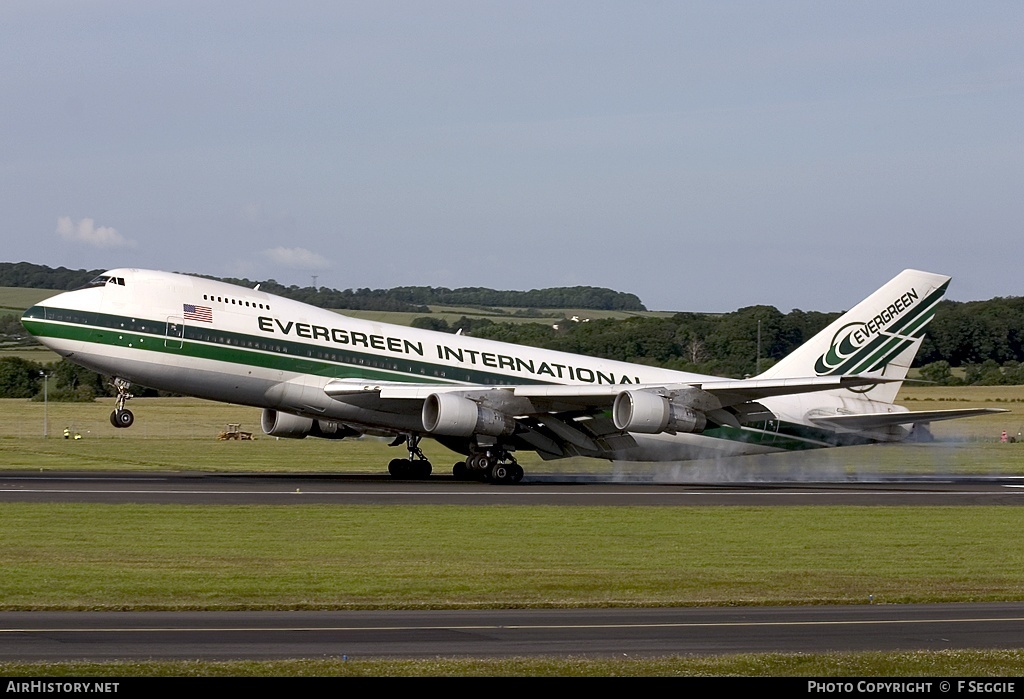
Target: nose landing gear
x,y
121,416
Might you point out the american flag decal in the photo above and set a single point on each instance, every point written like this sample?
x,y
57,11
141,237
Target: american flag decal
x,y
201,313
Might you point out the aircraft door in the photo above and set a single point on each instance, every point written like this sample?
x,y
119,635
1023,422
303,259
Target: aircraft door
x,y
175,332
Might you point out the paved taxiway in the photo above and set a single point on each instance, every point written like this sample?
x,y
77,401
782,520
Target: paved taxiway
x,y
219,488
493,633
28,636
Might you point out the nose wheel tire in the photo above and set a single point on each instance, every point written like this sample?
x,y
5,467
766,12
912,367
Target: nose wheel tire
x,y
122,418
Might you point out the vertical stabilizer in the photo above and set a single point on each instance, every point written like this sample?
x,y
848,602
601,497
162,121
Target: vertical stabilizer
x,y
880,335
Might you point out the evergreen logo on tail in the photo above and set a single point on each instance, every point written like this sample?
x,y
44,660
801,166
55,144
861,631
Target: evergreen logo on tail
x,y
869,345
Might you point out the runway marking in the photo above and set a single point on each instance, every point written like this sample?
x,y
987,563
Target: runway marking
x,y
514,627
83,478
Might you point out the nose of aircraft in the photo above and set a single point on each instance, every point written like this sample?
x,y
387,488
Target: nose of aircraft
x,y
56,324
31,318
39,320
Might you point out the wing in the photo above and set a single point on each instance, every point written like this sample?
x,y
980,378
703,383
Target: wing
x,y
560,420
554,396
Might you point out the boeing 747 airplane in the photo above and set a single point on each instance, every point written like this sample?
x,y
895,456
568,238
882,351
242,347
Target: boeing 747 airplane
x,y
317,373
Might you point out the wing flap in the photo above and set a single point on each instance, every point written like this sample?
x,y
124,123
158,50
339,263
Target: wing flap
x,y
726,393
741,391
868,421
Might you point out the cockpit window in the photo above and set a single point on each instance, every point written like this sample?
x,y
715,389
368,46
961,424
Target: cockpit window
x,y
98,281
103,280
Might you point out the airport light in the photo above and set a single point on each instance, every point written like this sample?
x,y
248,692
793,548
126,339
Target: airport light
x,y
45,402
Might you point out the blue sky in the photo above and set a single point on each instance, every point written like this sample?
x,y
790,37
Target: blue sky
x,y
703,155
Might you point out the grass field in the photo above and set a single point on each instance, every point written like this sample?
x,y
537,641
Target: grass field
x,y
38,354
15,299
939,664
295,556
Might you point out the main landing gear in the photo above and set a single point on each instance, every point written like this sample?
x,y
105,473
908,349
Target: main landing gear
x,y
493,464
416,466
121,417
490,464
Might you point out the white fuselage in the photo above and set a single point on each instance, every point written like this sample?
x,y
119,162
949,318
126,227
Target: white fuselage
x,y
223,342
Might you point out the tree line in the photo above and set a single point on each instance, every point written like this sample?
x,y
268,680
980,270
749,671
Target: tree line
x,y
30,276
971,343
418,299
410,299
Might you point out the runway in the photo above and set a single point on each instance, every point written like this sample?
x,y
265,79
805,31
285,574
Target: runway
x,y
233,489
46,635
49,636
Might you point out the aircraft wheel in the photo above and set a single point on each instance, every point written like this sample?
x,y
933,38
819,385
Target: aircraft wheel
x,y
122,418
461,471
501,473
517,473
399,468
421,469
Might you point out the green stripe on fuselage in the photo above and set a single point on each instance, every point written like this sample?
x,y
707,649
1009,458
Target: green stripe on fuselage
x,y
256,351
250,350
787,436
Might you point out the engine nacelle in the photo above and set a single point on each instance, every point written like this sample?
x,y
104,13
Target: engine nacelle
x,y
455,416
278,424
649,413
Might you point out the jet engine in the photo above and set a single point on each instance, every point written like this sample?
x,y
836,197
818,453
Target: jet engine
x,y
278,424
456,416
650,413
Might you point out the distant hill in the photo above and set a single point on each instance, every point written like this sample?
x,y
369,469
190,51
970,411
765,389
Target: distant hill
x,y
414,299
29,276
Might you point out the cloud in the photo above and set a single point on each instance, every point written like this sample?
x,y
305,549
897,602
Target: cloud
x,y
85,231
296,258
